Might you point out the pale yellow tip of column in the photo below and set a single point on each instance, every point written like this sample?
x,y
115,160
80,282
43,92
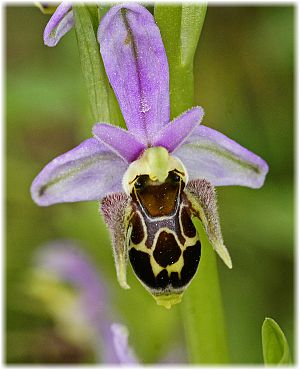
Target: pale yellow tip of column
x,y
157,159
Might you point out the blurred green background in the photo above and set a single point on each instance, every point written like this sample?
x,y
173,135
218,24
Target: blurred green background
x,y
244,79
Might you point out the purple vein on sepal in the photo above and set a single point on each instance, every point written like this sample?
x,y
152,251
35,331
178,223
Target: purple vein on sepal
x,y
131,40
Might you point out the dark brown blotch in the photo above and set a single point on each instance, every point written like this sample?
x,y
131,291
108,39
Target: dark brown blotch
x,y
42,190
162,279
175,281
137,233
140,262
191,257
189,229
166,250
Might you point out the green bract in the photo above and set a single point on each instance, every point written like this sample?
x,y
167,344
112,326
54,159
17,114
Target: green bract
x,y
274,344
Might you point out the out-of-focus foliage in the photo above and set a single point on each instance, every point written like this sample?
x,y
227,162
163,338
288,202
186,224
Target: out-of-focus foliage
x,y
244,80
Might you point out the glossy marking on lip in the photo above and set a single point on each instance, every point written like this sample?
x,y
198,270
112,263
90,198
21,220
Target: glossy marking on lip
x,y
158,200
164,249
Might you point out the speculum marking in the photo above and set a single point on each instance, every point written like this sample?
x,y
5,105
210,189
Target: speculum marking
x,y
159,200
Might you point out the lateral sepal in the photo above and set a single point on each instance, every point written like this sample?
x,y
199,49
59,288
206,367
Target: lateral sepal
x,y
201,194
115,211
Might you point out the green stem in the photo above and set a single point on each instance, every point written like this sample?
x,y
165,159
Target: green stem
x,y
168,19
202,311
202,308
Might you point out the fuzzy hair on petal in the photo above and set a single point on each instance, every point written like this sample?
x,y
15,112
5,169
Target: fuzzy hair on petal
x,y
114,209
202,196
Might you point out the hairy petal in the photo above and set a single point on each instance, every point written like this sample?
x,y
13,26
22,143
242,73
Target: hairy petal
x,y
122,142
59,24
202,196
137,68
124,352
115,211
211,155
87,172
176,132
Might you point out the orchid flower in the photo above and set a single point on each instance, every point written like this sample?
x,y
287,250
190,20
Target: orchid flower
x,y
154,177
83,317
